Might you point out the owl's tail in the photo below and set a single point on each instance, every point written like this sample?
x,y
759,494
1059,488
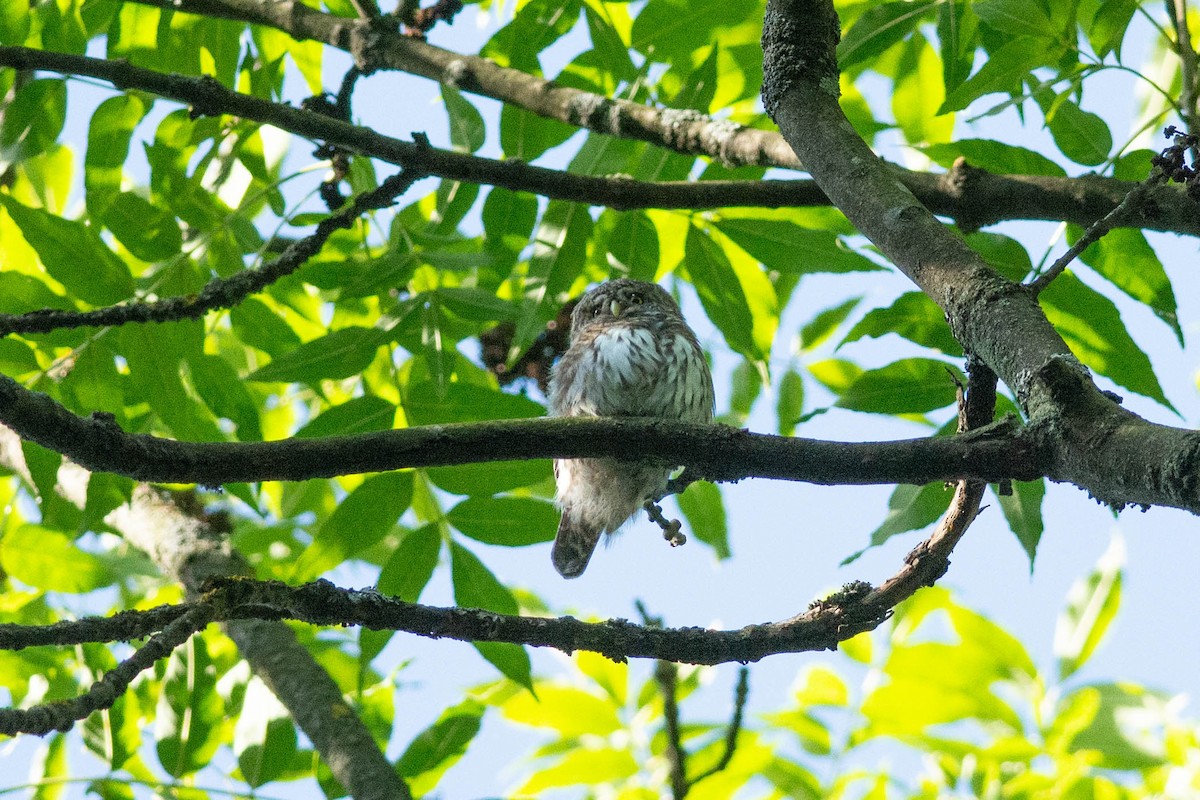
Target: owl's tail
x,y
573,546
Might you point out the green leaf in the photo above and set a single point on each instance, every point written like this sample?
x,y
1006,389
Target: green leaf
x,y
33,120
1092,327
915,317
48,770
440,746
1006,255
525,135
427,403
264,738
1082,136
721,294
17,359
633,245
1121,723
508,220
46,559
511,660
560,245
363,518
150,233
537,25
791,249
998,157
835,374
467,131
1091,607
1106,28
789,404
919,94
258,326
910,508
155,356
361,414
506,521
1017,17
190,716
113,734
746,386
591,766
670,31
933,683
704,511
407,572
226,395
478,305
568,711
109,133
909,386
1023,511
1125,258
1002,72
334,356
880,26
474,584
476,587
821,327
73,254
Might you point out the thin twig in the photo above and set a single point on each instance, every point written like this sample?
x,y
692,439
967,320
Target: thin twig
x,y
1178,12
1097,230
219,292
740,694
60,715
667,676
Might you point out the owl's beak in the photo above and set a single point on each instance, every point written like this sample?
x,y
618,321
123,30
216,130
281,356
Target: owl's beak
x,y
615,308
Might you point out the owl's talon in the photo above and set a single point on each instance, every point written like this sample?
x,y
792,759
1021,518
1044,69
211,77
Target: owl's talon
x,y
673,535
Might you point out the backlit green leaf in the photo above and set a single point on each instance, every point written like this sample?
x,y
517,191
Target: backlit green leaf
x,y
1023,511
407,572
1091,607
704,511
1092,327
360,520
508,521
909,386
46,559
33,119
336,355
1082,136
915,317
190,714
73,254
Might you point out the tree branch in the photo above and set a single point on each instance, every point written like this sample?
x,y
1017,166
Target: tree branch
x,y
1092,442
219,292
717,452
187,548
973,197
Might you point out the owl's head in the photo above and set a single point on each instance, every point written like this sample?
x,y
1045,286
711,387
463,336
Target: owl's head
x,y
623,299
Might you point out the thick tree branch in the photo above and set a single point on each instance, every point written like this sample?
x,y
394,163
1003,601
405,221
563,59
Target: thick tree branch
x,y
718,453
187,548
971,196
1092,442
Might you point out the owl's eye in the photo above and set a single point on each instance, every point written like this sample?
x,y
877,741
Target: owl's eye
x,y
636,299
596,311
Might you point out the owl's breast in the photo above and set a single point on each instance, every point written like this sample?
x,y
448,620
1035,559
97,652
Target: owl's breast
x,y
630,370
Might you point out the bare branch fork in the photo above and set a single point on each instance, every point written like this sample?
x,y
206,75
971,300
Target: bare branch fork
x,y
1119,457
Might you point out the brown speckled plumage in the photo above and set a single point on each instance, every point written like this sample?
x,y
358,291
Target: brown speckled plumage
x,y
631,355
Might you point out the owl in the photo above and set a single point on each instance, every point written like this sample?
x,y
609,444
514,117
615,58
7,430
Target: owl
x,y
631,355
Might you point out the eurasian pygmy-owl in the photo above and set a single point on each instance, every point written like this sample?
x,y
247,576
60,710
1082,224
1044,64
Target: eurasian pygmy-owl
x,y
631,355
